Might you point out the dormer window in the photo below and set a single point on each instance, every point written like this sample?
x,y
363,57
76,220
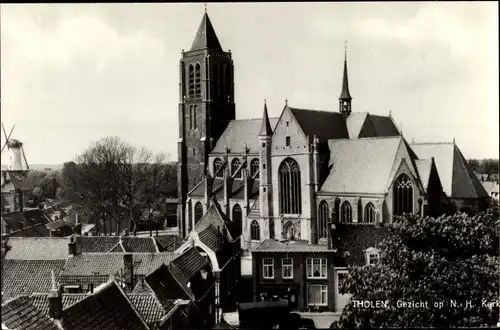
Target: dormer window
x,y
372,256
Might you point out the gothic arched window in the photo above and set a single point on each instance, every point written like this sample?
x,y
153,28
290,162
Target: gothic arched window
x,y
403,195
323,220
237,218
290,192
346,212
255,231
191,80
193,116
235,165
290,231
254,167
198,212
197,85
369,213
217,166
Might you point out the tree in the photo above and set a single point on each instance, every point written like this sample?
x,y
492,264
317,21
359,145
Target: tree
x,y
112,180
434,260
474,165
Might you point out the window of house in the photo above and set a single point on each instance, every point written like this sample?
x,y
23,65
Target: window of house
x,y
287,139
287,268
373,258
316,268
317,295
268,268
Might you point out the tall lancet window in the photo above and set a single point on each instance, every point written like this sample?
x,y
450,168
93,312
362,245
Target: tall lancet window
x,y
197,85
255,231
191,80
237,219
346,213
254,167
290,194
235,165
217,166
198,212
403,195
369,213
323,220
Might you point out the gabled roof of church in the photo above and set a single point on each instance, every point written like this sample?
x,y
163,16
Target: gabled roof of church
x,y
361,165
206,37
424,167
216,218
325,125
239,132
457,178
364,124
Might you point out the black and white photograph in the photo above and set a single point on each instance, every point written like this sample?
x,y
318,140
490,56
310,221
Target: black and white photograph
x,y
249,165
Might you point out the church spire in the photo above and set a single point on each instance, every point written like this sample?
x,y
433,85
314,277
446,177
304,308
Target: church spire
x,y
266,129
206,37
345,97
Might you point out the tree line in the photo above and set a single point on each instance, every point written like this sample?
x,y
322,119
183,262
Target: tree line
x,y
111,183
484,166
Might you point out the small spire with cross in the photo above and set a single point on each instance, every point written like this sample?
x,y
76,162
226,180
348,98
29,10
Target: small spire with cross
x,y
205,7
286,101
345,49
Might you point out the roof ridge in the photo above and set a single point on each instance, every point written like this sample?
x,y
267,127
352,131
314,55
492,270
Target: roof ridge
x,y
367,138
314,110
131,304
462,158
423,143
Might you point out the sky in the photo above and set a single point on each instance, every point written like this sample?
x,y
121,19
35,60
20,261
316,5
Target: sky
x,y
75,73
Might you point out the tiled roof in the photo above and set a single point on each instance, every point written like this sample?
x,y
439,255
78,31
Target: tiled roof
x,y
169,243
215,217
356,239
18,220
239,132
211,238
271,245
37,248
325,125
108,308
424,167
142,287
20,313
38,230
457,178
96,267
361,165
206,37
167,286
190,262
41,301
111,244
24,277
384,126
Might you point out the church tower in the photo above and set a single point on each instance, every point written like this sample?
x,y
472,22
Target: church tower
x,y
206,106
345,98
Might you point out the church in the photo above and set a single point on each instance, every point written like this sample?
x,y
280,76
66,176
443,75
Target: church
x,y
288,184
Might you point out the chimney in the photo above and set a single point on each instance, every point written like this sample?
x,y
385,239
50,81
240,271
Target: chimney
x,y
77,229
55,299
72,247
128,270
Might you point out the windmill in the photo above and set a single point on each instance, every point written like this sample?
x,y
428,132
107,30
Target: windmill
x,y
18,160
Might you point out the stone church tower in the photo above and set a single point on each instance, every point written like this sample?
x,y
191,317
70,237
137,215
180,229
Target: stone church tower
x,y
206,106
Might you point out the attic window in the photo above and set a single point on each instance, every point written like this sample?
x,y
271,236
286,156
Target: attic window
x,y
287,139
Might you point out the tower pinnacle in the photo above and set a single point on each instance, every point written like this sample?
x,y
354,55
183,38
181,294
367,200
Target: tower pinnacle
x,y
345,97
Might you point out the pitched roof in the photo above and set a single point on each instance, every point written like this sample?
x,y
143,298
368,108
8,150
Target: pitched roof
x,y
457,178
239,132
20,313
355,123
211,238
38,230
168,243
361,165
356,239
41,301
217,219
383,126
190,262
206,37
22,277
424,167
167,286
18,220
108,308
37,248
325,125
112,244
272,245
